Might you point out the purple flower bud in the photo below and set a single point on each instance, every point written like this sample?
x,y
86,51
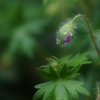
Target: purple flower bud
x,y
65,33
67,39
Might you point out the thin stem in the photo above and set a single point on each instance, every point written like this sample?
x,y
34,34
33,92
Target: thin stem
x,y
98,91
90,31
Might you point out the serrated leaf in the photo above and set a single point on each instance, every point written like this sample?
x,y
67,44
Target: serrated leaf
x,y
44,66
53,72
86,62
72,76
42,85
49,92
79,88
74,87
50,60
44,74
45,89
60,92
73,70
82,90
55,58
70,89
75,60
39,93
85,53
65,58
61,89
63,72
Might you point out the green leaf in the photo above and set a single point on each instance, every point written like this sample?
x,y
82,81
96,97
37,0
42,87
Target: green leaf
x,y
85,53
22,41
53,72
60,92
86,62
65,58
75,60
45,68
56,59
72,76
45,90
49,92
61,89
63,72
46,2
79,88
44,74
39,93
70,89
43,85
73,70
60,68
51,60
75,86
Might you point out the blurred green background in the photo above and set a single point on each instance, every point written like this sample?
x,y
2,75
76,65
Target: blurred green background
x,y
28,36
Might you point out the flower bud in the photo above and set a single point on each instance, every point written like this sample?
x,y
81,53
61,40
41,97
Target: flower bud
x,y
65,33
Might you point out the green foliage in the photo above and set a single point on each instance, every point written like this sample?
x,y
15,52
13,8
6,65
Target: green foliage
x,y
22,42
19,26
47,1
75,60
66,67
61,73
37,24
61,89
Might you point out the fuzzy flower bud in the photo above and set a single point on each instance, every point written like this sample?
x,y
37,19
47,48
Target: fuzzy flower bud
x,y
65,33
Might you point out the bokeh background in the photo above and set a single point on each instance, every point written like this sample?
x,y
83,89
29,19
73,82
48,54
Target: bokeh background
x,y
28,36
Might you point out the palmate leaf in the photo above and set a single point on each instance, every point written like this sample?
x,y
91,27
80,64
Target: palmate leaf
x,y
72,72
53,72
46,89
61,74
75,86
44,74
59,68
73,76
61,89
47,73
76,60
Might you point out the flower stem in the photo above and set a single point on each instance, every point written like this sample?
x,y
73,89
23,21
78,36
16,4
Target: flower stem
x,y
90,31
98,91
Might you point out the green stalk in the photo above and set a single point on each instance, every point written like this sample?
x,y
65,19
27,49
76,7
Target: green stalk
x,y
90,31
98,91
